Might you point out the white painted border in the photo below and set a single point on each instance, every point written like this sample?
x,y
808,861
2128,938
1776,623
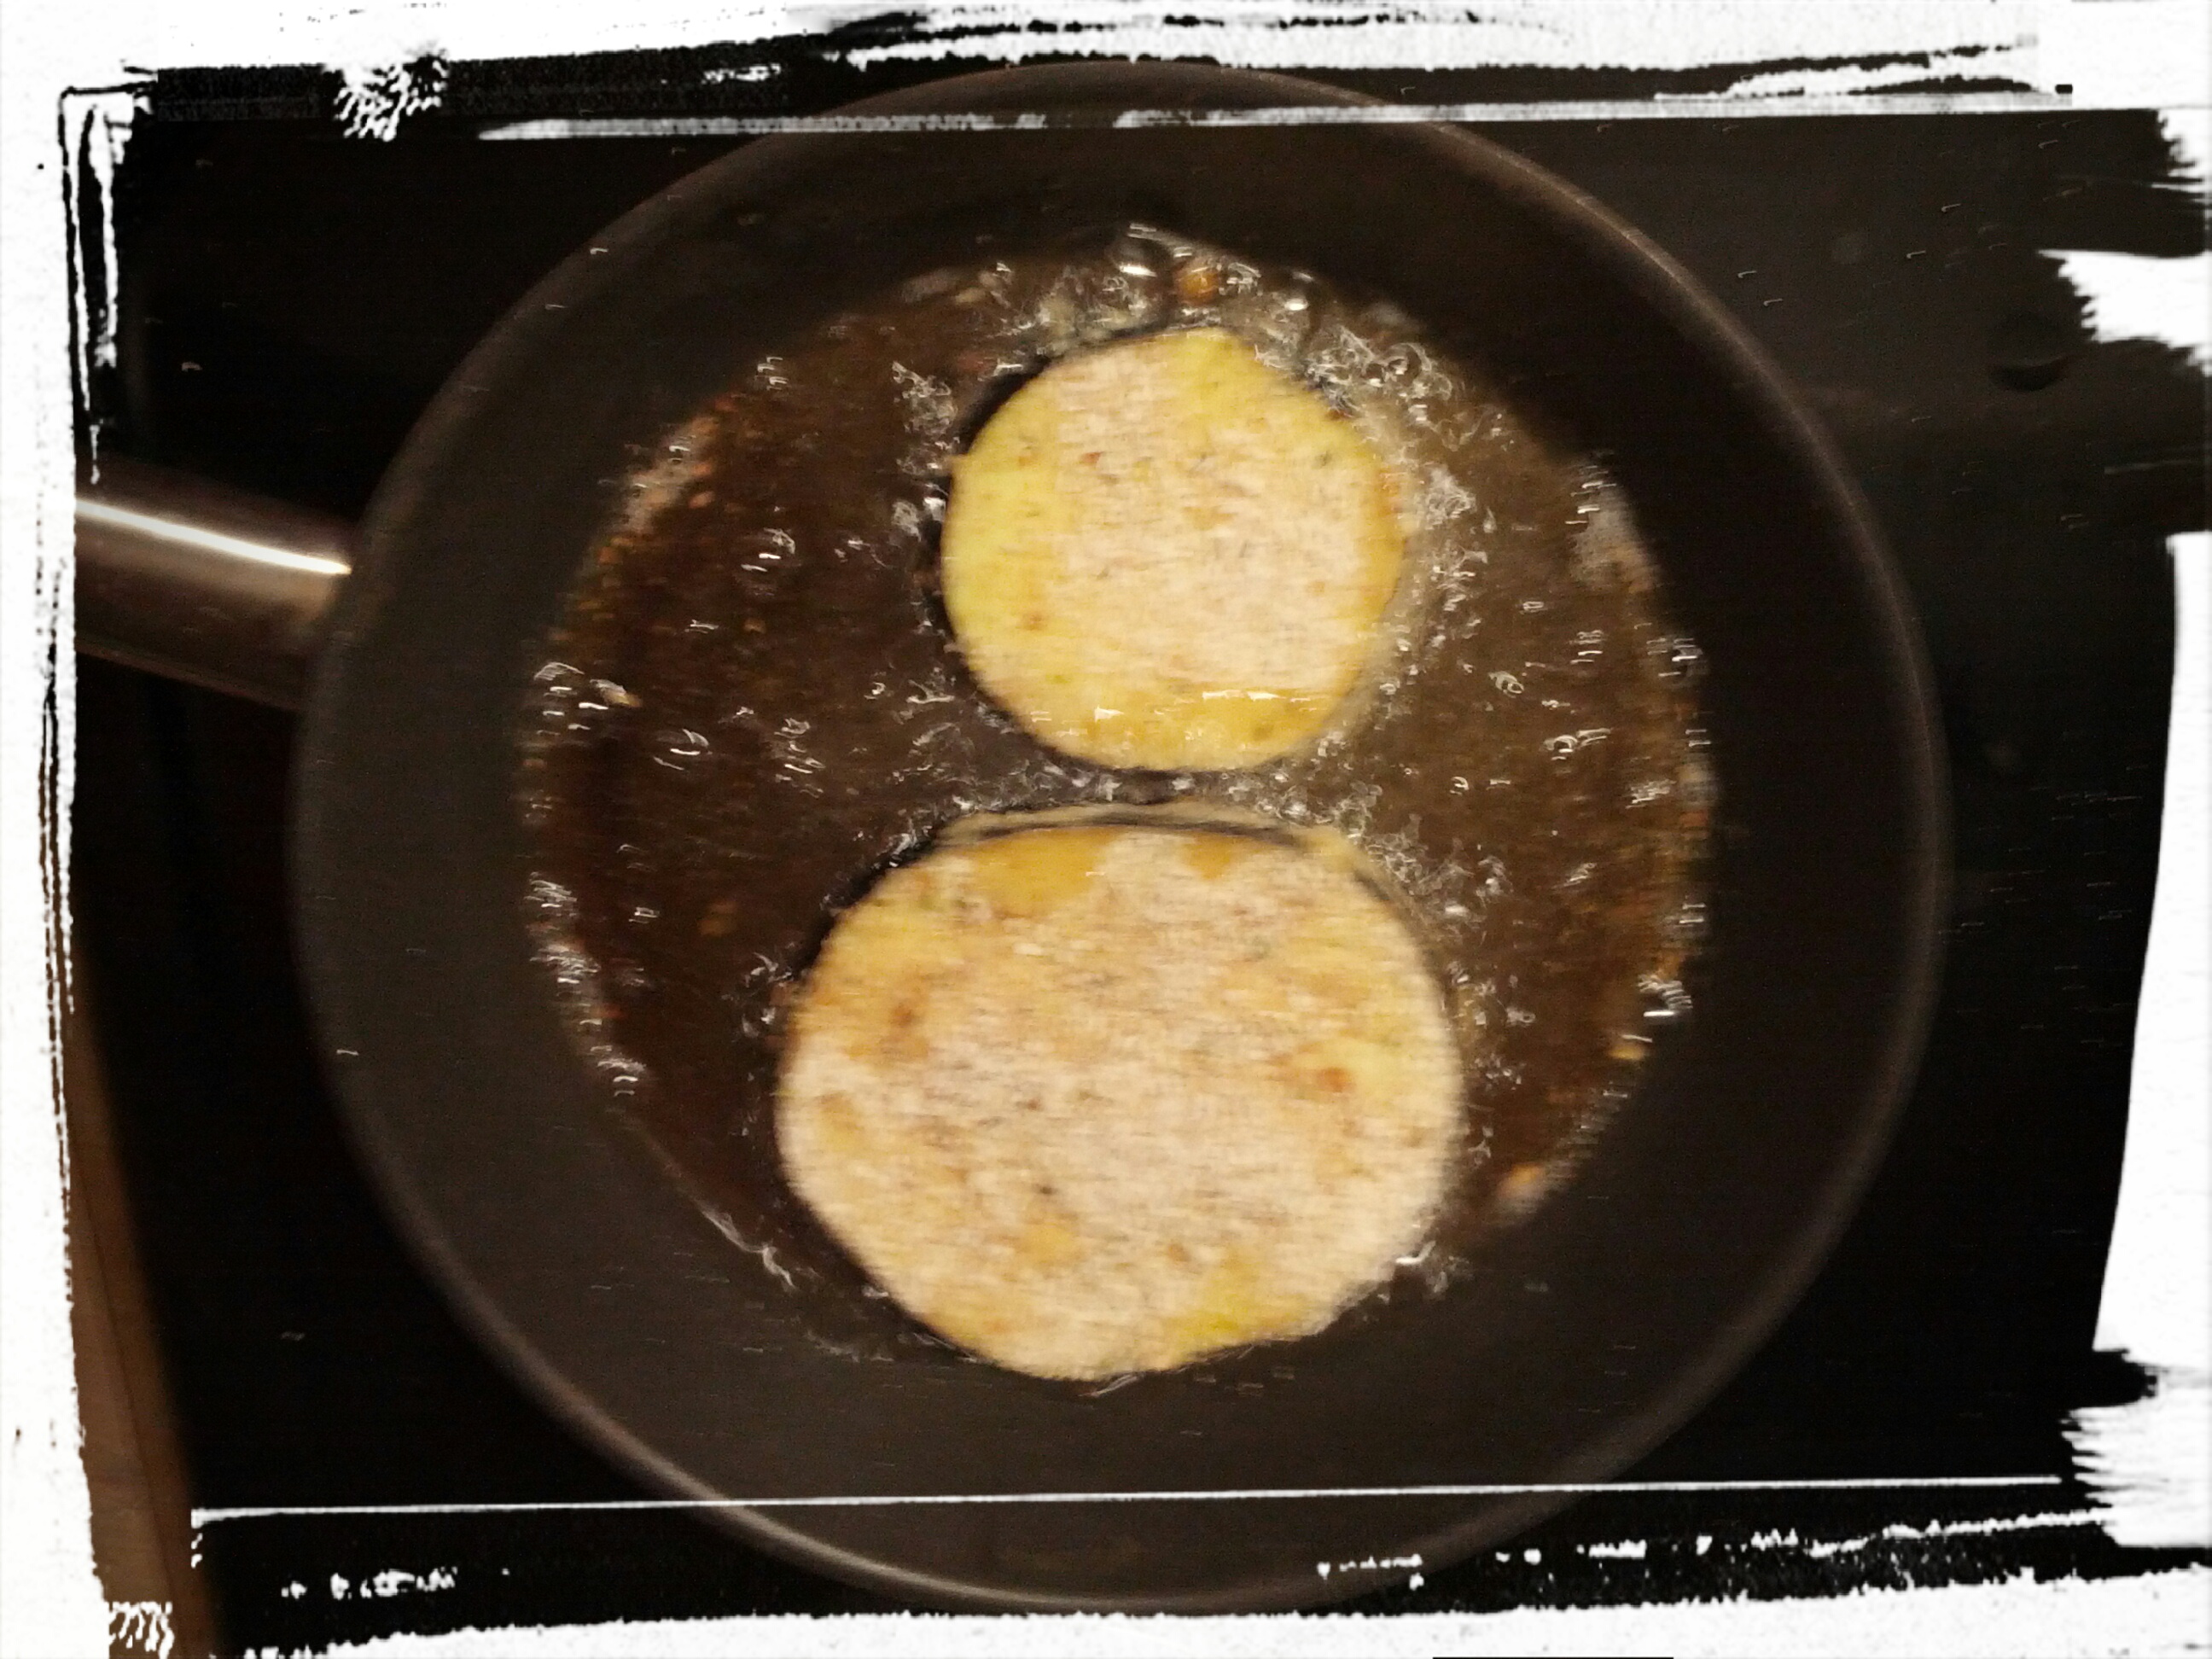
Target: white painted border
x,y
2113,53
2022,1619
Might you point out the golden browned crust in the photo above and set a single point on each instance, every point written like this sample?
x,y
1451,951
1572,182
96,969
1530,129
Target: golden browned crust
x,y
1090,1100
1166,554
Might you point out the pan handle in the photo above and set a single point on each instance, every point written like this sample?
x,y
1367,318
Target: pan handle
x,y
202,583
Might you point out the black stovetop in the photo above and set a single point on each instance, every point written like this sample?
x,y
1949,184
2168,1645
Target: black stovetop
x,y
290,298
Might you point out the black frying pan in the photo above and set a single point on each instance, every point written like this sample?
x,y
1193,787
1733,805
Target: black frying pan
x,y
1578,1341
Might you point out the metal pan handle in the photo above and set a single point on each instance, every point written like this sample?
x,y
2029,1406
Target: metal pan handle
x,y
202,583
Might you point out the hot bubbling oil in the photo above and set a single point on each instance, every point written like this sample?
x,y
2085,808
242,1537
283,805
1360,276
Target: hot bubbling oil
x,y
754,704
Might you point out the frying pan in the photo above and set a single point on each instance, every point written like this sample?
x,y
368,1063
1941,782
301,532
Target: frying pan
x,y
1574,1344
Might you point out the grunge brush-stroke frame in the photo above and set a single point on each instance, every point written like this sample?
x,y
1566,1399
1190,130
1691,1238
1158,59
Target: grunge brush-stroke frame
x,y
1963,72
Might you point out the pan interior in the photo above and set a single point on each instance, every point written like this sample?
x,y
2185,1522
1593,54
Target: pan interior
x,y
753,707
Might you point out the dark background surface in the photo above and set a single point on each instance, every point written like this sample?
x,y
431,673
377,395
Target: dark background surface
x,y
290,298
